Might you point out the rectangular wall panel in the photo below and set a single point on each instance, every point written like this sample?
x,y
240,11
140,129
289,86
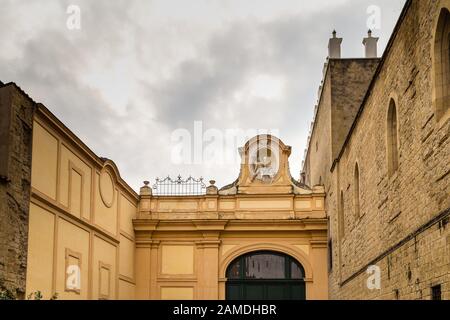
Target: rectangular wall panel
x,y
44,163
177,293
73,242
40,251
171,256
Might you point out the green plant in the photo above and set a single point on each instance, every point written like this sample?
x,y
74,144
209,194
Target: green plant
x,y
6,294
37,295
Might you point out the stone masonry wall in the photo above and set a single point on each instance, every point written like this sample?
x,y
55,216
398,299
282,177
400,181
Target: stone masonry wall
x,y
350,79
16,112
319,154
403,224
344,86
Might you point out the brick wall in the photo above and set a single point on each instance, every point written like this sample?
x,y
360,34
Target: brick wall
x,y
345,83
350,79
403,223
318,160
16,114
409,271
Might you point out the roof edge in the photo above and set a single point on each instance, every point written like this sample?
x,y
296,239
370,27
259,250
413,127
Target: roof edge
x,y
327,62
2,85
386,52
65,131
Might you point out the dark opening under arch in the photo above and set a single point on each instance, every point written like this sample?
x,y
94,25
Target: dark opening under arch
x,y
265,275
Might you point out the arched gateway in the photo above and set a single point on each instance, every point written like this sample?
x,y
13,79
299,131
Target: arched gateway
x,y
265,275
262,237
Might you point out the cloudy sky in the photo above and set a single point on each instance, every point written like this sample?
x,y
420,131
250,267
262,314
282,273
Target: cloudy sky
x,y
138,76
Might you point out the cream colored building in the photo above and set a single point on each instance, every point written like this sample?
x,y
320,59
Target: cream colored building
x,y
80,215
92,237
184,245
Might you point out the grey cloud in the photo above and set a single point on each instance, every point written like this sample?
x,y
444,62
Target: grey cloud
x,y
52,64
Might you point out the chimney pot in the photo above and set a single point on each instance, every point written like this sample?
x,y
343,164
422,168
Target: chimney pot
x,y
370,44
334,47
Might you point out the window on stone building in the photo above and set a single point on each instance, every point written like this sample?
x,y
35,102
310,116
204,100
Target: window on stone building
x,y
392,138
436,293
356,192
442,65
341,220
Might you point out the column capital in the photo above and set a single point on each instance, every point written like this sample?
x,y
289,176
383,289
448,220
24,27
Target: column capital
x,y
148,243
214,244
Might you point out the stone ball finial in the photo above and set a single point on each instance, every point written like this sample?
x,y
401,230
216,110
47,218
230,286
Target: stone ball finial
x,y
212,189
146,190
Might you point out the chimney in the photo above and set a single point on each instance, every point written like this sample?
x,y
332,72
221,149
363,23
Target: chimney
x,y
334,47
370,43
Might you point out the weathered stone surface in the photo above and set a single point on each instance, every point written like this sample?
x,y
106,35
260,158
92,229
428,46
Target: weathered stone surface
x,y
345,84
403,222
16,112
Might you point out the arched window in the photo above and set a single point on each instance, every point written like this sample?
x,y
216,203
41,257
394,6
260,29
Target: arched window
x,y
341,216
265,265
265,275
442,65
392,138
356,192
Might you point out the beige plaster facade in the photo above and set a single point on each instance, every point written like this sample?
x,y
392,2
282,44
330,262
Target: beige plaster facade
x,y
80,215
90,236
184,245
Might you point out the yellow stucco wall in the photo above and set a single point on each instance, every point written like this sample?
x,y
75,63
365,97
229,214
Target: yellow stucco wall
x,y
185,244
177,259
84,217
80,215
40,250
187,260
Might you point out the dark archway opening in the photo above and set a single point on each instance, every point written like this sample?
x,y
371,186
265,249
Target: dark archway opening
x,y
265,275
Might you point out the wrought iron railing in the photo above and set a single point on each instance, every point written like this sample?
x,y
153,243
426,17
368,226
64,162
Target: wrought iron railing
x,y
179,187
